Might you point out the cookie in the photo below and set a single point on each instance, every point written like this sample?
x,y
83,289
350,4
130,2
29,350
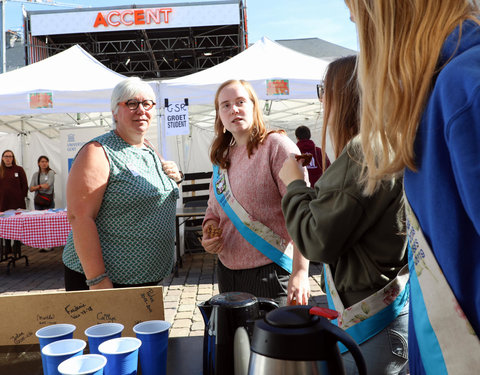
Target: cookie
x,y
213,231
307,158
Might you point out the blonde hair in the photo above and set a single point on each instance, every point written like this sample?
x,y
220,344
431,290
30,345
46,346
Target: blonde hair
x,y
223,140
400,44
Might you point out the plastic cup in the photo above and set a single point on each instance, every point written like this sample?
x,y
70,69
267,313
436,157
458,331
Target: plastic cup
x,y
54,332
58,351
153,352
121,354
102,332
87,364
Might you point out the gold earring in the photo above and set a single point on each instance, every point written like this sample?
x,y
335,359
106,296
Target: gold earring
x,y
224,130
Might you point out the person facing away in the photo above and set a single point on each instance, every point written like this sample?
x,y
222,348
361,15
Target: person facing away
x,y
419,71
307,146
43,181
121,200
356,236
13,190
247,158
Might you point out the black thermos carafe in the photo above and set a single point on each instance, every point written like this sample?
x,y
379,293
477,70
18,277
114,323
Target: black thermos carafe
x,y
223,314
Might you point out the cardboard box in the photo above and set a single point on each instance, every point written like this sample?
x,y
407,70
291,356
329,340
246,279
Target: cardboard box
x,y
22,315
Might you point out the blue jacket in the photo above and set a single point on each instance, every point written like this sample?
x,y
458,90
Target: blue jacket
x,y
445,191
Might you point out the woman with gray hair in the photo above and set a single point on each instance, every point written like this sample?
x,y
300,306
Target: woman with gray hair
x,y
121,198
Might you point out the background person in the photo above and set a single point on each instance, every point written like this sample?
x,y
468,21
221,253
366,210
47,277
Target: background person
x,y
357,236
43,182
13,190
423,58
121,201
307,146
252,156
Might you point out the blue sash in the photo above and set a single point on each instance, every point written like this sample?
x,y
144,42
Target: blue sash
x,y
225,198
446,341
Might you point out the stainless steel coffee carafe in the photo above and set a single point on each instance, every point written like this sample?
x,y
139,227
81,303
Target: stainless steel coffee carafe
x,y
291,340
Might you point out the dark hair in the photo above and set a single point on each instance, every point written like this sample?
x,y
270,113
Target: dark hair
x,y
303,132
38,161
2,164
341,103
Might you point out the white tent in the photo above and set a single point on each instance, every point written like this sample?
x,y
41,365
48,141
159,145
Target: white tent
x,y
262,63
68,90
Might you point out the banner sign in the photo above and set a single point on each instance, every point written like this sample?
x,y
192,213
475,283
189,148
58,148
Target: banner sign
x,y
85,21
176,119
278,87
40,100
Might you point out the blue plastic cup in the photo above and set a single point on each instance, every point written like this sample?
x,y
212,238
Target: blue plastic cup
x,y
102,332
54,332
87,364
153,352
58,351
121,354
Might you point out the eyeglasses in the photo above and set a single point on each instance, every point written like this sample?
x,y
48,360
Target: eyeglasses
x,y
320,90
133,104
7,156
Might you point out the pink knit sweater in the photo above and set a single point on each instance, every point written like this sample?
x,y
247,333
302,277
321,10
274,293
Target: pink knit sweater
x,y
257,187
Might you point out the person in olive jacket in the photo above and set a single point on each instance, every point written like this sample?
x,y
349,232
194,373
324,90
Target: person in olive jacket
x,y
356,236
13,189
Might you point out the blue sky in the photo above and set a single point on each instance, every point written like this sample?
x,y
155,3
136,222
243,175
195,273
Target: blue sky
x,y
276,19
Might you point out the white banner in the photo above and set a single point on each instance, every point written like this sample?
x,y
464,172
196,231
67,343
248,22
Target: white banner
x,y
176,119
74,22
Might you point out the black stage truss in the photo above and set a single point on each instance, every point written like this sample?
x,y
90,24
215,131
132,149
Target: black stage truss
x,y
153,53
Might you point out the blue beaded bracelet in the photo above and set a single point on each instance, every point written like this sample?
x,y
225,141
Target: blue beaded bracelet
x,y
96,280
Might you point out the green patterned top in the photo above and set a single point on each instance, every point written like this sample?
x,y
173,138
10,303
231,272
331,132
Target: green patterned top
x,y
136,221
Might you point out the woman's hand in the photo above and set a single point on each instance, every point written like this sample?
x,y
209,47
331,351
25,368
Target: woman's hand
x,y
298,288
213,245
291,170
171,170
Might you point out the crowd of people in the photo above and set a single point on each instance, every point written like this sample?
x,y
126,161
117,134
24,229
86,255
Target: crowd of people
x,y
393,214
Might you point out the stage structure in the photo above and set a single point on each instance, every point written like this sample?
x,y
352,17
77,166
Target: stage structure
x,y
149,41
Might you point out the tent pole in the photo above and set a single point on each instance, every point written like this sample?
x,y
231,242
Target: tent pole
x,y
3,60
23,135
162,140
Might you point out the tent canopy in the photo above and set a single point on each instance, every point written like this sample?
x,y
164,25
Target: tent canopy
x,y
55,92
264,61
76,81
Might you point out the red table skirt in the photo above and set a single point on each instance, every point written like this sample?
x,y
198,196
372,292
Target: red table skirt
x,y
37,230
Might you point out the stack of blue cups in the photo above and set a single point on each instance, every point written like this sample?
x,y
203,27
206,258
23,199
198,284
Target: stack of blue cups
x,y
52,333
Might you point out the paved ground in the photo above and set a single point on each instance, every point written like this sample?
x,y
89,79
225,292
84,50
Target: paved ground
x,y
195,283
